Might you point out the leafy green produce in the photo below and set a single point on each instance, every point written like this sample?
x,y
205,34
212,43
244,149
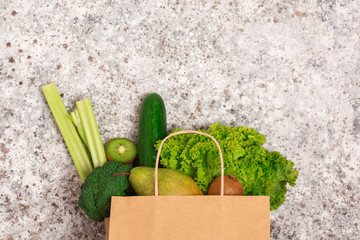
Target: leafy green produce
x,y
101,184
260,171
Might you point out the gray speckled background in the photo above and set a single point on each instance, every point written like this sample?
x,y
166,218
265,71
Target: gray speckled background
x,y
290,69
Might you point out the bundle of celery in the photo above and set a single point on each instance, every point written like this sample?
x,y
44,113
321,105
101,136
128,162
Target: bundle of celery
x,y
79,130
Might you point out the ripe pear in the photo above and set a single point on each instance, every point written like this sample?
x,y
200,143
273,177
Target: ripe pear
x,y
170,181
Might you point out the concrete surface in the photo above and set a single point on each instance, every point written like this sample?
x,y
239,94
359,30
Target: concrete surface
x,y
290,69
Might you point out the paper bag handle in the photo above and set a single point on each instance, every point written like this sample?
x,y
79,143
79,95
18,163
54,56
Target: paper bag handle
x,y
182,132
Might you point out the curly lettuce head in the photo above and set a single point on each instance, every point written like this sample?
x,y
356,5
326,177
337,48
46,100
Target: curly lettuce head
x,y
260,172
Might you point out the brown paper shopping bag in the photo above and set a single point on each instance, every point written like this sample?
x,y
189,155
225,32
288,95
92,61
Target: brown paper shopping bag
x,y
189,217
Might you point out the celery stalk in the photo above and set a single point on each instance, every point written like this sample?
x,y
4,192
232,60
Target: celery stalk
x,y
68,131
92,133
75,118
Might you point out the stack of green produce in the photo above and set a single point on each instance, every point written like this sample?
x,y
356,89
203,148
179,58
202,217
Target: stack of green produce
x,y
260,172
190,162
82,137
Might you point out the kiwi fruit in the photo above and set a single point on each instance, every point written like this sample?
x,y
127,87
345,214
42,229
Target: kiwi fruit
x,y
121,150
232,186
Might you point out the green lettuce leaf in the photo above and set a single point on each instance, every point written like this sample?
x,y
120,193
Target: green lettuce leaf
x,y
260,172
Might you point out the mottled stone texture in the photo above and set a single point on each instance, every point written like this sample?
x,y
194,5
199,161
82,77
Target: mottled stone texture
x,y
290,69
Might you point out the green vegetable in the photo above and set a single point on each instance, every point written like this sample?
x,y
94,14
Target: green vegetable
x,y
86,131
75,118
101,184
92,134
259,171
152,127
71,137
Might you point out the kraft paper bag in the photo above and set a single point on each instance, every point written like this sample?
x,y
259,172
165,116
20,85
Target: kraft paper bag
x,y
189,217
107,221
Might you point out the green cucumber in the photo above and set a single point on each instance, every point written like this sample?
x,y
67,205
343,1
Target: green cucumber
x,y
152,127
